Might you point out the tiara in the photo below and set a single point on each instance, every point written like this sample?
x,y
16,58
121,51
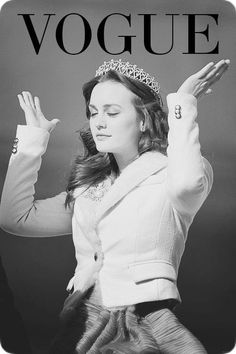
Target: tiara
x,y
131,71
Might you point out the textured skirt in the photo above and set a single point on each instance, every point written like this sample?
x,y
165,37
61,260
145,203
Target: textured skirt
x,y
148,328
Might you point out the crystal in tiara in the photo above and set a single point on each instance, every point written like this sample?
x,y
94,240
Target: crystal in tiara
x,y
131,71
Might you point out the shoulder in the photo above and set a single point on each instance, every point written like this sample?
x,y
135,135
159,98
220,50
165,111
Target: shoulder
x,y
156,163
154,156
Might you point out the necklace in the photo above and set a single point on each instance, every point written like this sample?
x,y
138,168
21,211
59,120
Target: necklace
x,y
97,191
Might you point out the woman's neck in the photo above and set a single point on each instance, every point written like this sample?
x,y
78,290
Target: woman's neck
x,y
124,160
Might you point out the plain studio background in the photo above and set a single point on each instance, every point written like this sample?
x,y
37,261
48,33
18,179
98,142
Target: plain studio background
x,y
39,269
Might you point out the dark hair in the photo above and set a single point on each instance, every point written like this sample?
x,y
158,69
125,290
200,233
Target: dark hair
x,y
93,166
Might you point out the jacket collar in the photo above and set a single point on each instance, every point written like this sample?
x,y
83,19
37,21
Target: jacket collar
x,y
147,164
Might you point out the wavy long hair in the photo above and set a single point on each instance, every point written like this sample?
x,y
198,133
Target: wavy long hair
x,y
92,166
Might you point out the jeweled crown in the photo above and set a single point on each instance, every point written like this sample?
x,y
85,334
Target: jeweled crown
x,y
129,70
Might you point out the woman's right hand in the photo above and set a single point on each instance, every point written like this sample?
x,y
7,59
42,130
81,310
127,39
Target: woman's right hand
x,y
33,113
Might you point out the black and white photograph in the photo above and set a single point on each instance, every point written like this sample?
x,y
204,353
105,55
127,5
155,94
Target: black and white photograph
x,y
118,177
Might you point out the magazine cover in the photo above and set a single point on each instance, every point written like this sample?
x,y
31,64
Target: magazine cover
x,y
117,178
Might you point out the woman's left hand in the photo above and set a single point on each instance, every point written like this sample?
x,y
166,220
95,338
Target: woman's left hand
x,y
200,83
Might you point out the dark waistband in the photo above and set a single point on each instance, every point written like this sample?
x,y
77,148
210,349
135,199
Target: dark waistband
x,y
144,308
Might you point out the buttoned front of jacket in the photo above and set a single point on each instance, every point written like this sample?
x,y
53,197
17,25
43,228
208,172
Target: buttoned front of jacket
x,y
138,235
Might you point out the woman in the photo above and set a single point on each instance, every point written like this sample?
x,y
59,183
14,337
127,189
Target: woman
x,y
130,201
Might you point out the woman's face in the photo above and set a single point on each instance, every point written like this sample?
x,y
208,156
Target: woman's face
x,y
114,122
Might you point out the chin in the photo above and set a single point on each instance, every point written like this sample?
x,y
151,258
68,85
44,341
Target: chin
x,y
101,147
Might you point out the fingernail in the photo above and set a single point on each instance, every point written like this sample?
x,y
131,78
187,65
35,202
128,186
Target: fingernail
x,y
227,61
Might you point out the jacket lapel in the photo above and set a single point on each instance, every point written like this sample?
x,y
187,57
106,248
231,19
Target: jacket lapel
x,y
147,164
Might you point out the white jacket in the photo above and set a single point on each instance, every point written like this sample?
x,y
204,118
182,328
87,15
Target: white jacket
x,y
133,239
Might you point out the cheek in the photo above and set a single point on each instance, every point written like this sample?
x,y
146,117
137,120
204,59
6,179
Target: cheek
x,y
127,129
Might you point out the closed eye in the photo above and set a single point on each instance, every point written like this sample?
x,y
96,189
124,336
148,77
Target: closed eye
x,y
109,114
112,114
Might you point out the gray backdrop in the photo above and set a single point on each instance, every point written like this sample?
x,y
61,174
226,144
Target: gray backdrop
x,y
39,269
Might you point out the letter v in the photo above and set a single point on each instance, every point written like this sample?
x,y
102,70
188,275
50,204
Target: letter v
x,y
31,30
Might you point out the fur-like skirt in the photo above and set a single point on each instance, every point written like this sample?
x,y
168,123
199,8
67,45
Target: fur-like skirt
x,y
90,328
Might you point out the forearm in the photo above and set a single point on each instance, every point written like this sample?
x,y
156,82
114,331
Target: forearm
x,y
20,214
190,175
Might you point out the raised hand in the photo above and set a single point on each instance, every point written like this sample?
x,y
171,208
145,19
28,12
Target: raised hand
x,y
33,113
200,82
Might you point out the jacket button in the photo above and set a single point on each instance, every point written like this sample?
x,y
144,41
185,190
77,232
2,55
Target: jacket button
x,y
14,147
95,256
178,111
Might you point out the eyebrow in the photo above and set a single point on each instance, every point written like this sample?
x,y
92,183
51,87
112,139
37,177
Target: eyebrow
x,y
105,105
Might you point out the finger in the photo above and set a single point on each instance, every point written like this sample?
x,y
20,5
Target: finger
x,y
26,98
204,71
37,103
217,76
54,123
30,99
218,67
207,84
21,101
23,106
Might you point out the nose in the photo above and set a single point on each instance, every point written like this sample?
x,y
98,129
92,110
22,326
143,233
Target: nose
x,y
100,121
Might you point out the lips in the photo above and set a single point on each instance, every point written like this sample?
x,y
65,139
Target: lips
x,y
102,135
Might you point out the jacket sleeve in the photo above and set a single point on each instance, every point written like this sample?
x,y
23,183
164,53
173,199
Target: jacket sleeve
x,y
20,214
189,174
